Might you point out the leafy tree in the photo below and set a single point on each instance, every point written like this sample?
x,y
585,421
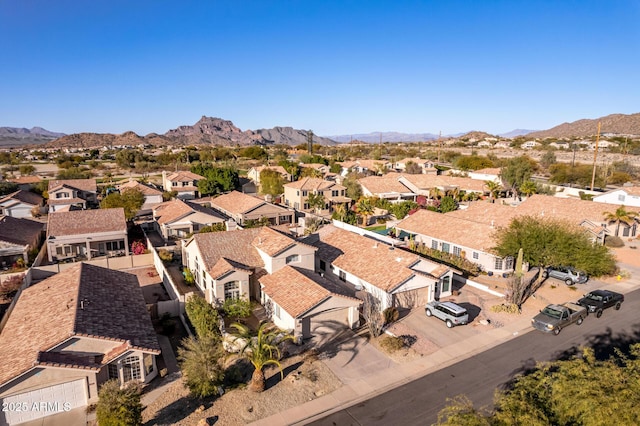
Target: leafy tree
x,y
516,171
237,307
131,199
74,173
353,187
365,208
202,316
528,188
261,350
548,242
254,152
412,168
310,172
548,159
335,167
292,168
313,159
169,195
472,162
201,364
619,216
119,406
27,169
448,204
126,158
619,178
401,210
579,175
216,227
316,201
271,182
216,179
7,187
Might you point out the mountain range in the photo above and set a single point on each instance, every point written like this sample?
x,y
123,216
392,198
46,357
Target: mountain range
x,y
216,131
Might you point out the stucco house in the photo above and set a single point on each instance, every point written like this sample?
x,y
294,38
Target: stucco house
x,y
242,208
152,196
85,234
69,334
397,187
394,276
20,204
427,166
228,264
18,237
65,195
488,174
180,218
26,182
254,173
184,183
296,194
301,300
627,195
366,166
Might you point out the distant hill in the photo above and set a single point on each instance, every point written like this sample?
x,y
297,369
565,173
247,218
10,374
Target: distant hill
x,y
207,131
515,133
621,124
474,134
16,136
375,137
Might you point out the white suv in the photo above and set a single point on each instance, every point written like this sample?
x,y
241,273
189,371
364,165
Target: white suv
x,y
448,312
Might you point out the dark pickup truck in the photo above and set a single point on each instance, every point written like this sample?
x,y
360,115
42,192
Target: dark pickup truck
x,y
599,300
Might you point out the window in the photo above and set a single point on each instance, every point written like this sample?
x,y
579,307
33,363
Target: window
x,y
148,364
498,264
434,244
342,275
445,247
115,245
323,265
306,206
113,371
304,193
508,262
276,310
621,197
456,250
131,368
232,290
475,255
625,231
174,183
334,193
446,284
293,258
298,193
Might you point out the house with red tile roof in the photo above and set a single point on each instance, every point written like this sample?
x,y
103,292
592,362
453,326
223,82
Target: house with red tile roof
x,y
243,208
366,166
296,194
184,183
228,264
254,173
65,195
86,234
301,300
180,218
20,204
70,333
18,237
427,166
394,276
152,196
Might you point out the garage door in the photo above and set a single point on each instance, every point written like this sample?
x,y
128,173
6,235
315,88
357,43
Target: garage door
x,y
44,402
336,319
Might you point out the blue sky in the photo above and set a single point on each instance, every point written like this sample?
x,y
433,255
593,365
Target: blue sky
x,y
336,67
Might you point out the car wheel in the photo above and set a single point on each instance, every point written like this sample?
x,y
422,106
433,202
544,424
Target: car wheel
x,y
598,313
579,320
568,281
428,312
556,331
449,323
617,307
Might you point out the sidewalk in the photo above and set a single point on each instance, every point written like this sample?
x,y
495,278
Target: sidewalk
x,y
381,381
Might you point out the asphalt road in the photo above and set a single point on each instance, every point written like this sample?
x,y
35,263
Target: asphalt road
x,y
418,402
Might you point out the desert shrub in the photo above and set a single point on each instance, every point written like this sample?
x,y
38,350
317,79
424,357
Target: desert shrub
x,y
166,256
202,316
392,344
509,308
119,406
9,286
613,241
391,315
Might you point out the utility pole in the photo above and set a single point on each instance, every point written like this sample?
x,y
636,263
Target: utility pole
x,y
310,142
595,157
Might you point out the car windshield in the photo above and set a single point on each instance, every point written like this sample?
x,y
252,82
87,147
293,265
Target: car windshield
x,y
552,312
594,297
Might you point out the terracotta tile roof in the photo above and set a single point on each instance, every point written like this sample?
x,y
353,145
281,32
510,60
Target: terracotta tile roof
x,y
86,222
388,183
176,209
65,201
84,300
413,160
428,181
489,171
367,164
315,166
27,197
296,290
631,190
224,266
146,190
312,184
278,169
231,245
87,185
19,231
485,212
571,209
183,176
236,202
374,262
26,179
271,241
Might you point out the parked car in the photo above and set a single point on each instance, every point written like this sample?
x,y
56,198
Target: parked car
x,y
554,318
448,312
567,274
599,300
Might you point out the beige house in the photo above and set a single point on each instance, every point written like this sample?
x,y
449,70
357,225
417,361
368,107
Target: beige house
x,y
254,173
18,237
243,208
228,264
427,166
85,234
152,196
179,219
65,195
20,204
302,301
397,187
69,334
366,166
296,194
393,276
184,183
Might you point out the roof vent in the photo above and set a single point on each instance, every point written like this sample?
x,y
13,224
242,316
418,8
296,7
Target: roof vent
x,y
398,259
375,245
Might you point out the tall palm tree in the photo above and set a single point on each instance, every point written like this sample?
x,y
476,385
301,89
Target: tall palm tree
x,y
620,215
340,211
494,189
261,350
528,188
365,208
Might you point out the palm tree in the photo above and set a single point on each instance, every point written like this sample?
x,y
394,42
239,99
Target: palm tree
x,y
494,189
200,361
340,212
528,188
365,208
261,350
620,215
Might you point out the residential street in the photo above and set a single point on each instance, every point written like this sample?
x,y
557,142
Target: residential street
x,y
418,402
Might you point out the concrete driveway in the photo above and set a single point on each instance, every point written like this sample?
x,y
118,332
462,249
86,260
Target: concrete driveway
x,y
436,331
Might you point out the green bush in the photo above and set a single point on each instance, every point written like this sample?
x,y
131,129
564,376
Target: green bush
x,y
202,316
392,344
166,256
119,406
391,315
613,241
189,279
237,308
